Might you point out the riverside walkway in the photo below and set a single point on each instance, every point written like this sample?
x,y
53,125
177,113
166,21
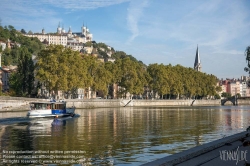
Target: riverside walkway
x,y
233,150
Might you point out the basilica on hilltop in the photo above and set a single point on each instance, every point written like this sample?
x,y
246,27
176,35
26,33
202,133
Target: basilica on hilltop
x,y
73,40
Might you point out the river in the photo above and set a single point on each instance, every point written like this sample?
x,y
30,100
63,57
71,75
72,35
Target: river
x,y
116,136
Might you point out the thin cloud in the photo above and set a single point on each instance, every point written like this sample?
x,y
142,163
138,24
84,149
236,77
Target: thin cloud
x,y
44,7
135,12
16,12
24,8
229,52
210,23
218,24
84,4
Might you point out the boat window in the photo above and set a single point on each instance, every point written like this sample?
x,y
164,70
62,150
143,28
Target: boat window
x,y
44,106
59,106
39,106
32,106
48,106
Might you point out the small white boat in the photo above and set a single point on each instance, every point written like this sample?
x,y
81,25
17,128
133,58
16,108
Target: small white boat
x,y
50,109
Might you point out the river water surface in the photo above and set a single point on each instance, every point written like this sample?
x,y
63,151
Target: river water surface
x,y
116,136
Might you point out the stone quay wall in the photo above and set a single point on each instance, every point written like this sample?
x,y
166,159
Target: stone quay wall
x,y
16,103
243,102
10,103
98,103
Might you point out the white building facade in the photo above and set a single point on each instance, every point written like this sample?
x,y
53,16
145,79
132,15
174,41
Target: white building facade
x,y
63,38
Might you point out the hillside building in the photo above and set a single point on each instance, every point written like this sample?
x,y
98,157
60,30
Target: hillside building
x,y
73,40
234,87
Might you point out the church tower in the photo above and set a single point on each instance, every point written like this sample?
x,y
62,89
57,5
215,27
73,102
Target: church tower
x,y
70,31
59,29
197,62
83,30
63,30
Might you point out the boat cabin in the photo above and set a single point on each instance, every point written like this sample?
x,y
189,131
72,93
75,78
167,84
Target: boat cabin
x,y
47,105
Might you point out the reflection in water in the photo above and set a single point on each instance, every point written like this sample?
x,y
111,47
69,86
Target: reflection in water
x,y
127,135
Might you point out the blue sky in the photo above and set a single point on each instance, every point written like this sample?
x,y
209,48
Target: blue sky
x,y
162,31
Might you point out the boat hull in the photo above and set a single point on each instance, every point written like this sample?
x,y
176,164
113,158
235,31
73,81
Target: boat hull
x,y
51,113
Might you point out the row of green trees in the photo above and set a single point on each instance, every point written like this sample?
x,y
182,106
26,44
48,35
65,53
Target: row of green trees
x,y
60,68
178,80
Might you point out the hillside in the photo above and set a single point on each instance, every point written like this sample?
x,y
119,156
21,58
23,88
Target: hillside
x,y
14,40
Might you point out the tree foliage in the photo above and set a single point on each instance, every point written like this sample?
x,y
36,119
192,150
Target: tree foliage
x,y
226,95
119,55
178,80
60,68
63,69
130,76
22,81
247,54
217,96
23,31
88,44
10,34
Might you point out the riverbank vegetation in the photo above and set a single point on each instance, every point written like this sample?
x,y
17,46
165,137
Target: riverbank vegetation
x,y
18,52
247,69
15,40
59,68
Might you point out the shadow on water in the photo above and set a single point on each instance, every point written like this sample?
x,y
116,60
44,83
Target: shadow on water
x,y
9,121
25,134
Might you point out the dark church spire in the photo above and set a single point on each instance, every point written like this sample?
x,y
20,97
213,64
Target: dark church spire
x,y
197,62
